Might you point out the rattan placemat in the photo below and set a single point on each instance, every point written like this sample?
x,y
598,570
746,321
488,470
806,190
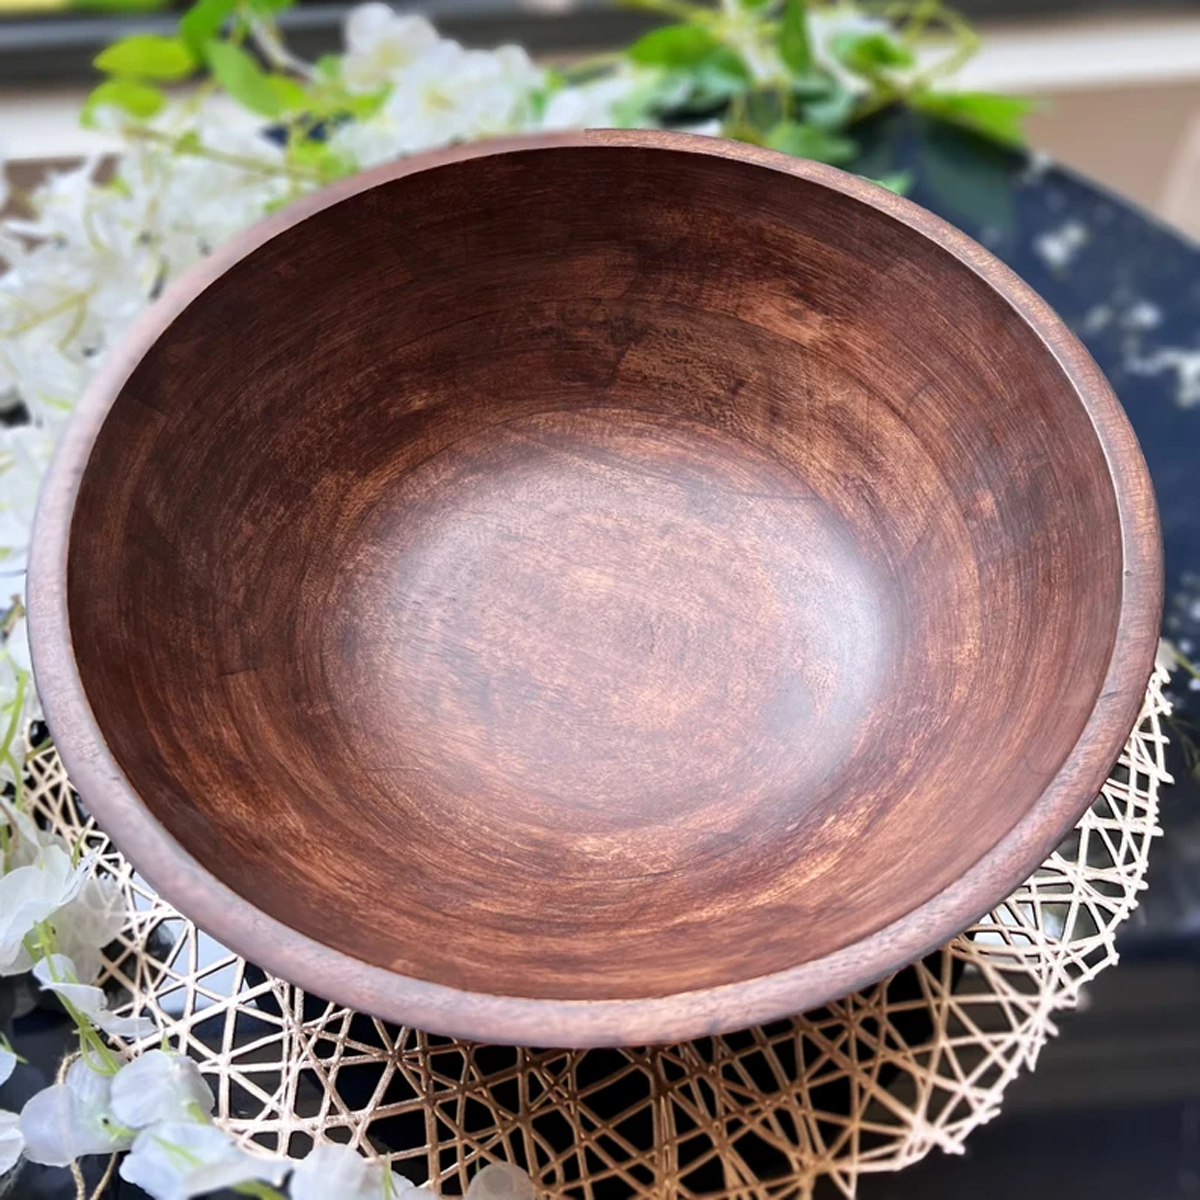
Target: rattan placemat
x,y
871,1083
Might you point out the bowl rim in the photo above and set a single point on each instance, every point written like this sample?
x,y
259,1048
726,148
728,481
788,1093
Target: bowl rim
x,y
238,924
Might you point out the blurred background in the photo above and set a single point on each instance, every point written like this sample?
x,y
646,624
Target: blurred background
x,y
1121,78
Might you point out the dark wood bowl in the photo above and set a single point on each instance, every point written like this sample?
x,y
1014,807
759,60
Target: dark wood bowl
x,y
594,589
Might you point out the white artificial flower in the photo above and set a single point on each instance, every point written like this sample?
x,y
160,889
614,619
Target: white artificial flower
x,y
371,142
71,1119
11,1141
56,973
176,1160
202,203
591,105
160,1086
51,381
75,292
332,1170
86,925
60,201
25,452
448,95
25,839
380,44
8,1061
29,895
501,1181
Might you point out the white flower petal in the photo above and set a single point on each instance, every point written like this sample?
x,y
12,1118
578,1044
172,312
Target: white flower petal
x,y
20,821
590,105
129,1029
69,1120
332,1170
28,896
501,1181
336,1171
159,1086
25,452
178,1160
18,964
8,1064
57,974
1167,658
11,1142
88,923
48,1129
381,44
54,970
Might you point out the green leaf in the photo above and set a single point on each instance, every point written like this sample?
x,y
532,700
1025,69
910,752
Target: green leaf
x,y
202,22
321,158
268,8
997,117
673,46
870,54
240,75
689,56
897,181
291,96
807,141
147,56
330,99
719,76
141,100
762,108
188,142
329,66
362,104
832,110
794,46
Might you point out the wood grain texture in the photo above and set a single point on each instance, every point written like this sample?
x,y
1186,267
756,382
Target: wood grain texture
x,y
600,588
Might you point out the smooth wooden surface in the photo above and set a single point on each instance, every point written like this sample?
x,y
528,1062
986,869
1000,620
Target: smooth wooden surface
x,y
598,590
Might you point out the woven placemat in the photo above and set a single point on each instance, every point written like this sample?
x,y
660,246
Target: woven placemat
x,y
871,1083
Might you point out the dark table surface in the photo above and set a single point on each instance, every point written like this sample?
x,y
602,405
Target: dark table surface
x,y
1114,1109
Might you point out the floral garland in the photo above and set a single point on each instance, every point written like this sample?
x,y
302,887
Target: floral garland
x,y
193,170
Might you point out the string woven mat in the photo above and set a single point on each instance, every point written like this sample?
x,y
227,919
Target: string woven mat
x,y
871,1083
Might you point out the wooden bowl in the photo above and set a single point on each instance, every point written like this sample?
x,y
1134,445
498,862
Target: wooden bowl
x,y
603,588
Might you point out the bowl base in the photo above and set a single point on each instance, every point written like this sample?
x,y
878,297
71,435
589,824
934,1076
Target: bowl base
x,y
628,631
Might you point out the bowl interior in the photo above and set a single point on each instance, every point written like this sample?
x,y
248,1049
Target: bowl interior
x,y
594,573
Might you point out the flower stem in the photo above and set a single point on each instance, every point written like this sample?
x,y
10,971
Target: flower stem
x,y
199,150
585,68
41,748
18,709
56,310
89,1037
1187,665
